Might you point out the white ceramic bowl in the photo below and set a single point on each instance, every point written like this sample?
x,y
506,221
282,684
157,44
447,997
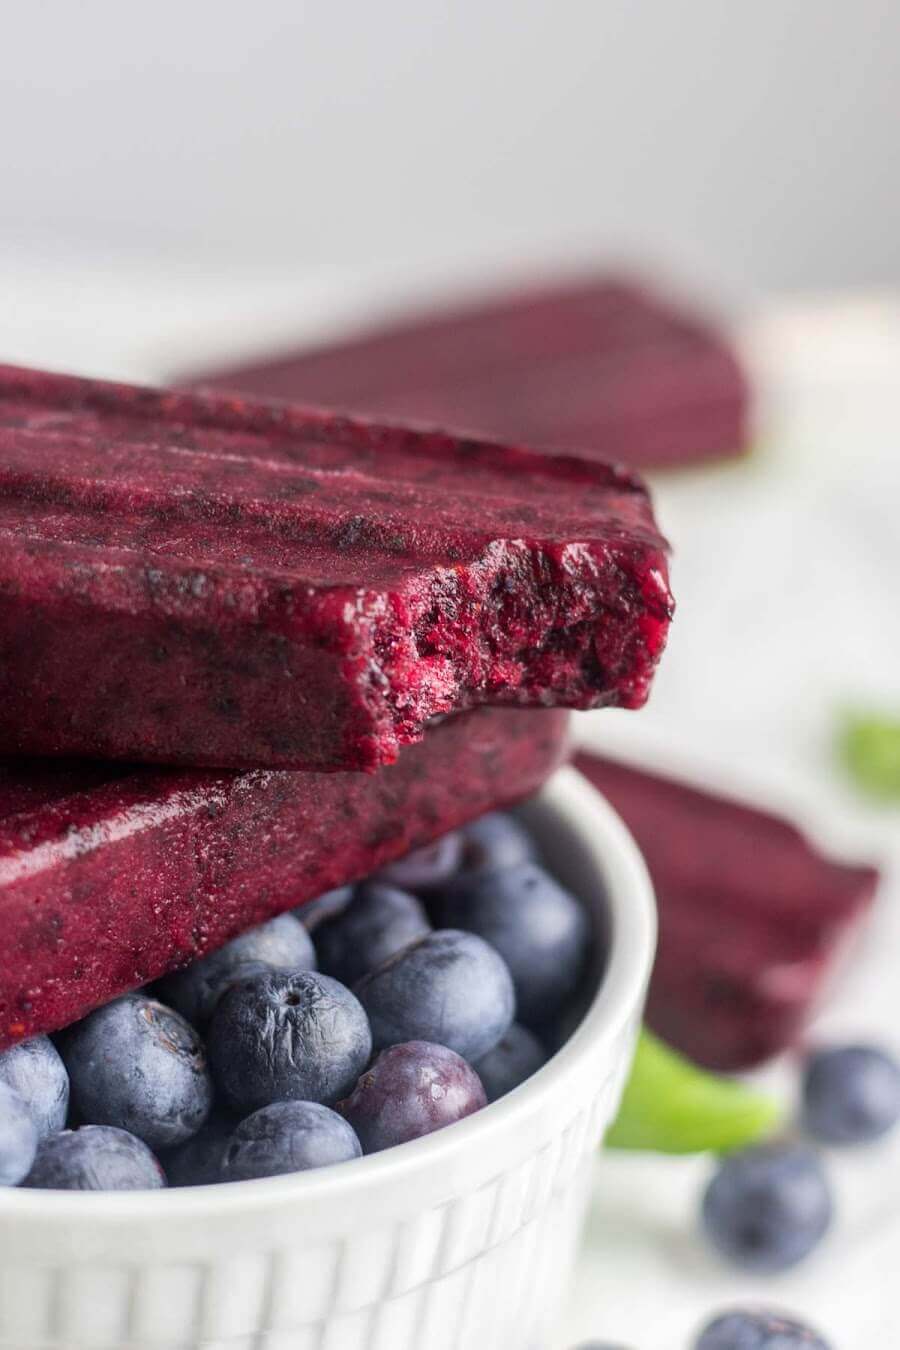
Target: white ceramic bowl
x,y
459,1240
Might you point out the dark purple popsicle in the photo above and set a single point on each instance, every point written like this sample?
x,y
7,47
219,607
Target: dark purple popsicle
x,y
597,366
111,875
751,915
201,580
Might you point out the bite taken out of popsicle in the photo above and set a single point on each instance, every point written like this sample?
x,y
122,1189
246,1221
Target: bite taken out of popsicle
x,y
193,579
596,365
112,875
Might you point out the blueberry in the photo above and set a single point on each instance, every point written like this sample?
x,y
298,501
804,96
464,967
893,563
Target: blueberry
x,y
851,1094
281,944
94,1158
411,1090
496,841
757,1329
288,1137
18,1137
449,987
540,930
767,1207
287,1037
379,922
326,906
426,868
198,1161
35,1070
515,1057
139,1065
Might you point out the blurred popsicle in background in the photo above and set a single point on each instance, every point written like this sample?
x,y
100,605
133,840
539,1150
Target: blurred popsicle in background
x,y
752,916
598,365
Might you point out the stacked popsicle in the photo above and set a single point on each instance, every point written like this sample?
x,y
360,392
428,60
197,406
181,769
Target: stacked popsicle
x,y
269,601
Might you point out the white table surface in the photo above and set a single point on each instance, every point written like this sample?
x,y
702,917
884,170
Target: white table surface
x,y
786,569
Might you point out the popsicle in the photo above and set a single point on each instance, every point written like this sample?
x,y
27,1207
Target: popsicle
x,y
752,917
111,875
597,366
195,579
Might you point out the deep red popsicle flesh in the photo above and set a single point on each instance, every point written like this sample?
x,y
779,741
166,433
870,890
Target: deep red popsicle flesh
x,y
112,875
751,916
208,581
597,366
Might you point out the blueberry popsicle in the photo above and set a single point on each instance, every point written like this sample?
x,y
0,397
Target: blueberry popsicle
x,y
751,915
111,875
201,580
598,366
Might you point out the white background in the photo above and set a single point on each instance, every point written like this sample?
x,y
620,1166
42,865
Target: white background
x,y
751,144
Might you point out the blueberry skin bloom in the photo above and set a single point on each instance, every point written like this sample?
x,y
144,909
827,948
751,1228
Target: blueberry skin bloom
x,y
35,1070
450,988
515,1057
767,1207
379,922
198,1161
757,1329
540,930
287,1037
328,905
426,868
138,1065
411,1090
94,1158
851,1094
288,1137
281,944
18,1137
496,841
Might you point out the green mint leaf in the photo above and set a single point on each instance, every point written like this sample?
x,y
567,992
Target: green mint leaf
x,y
672,1106
869,746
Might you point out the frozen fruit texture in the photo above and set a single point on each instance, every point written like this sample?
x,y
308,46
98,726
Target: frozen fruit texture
x,y
288,1137
195,579
110,876
449,988
36,1072
297,1036
598,366
139,1066
751,915
94,1158
542,932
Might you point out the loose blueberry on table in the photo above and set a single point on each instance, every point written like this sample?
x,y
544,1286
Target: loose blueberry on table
x,y
758,1329
348,1026
768,1206
851,1094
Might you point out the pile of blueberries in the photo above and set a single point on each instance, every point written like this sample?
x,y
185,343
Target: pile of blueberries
x,y
367,1018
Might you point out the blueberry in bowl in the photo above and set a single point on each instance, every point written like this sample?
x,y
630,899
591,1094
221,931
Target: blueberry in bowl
x,y
141,1067
288,1253
449,987
287,1036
